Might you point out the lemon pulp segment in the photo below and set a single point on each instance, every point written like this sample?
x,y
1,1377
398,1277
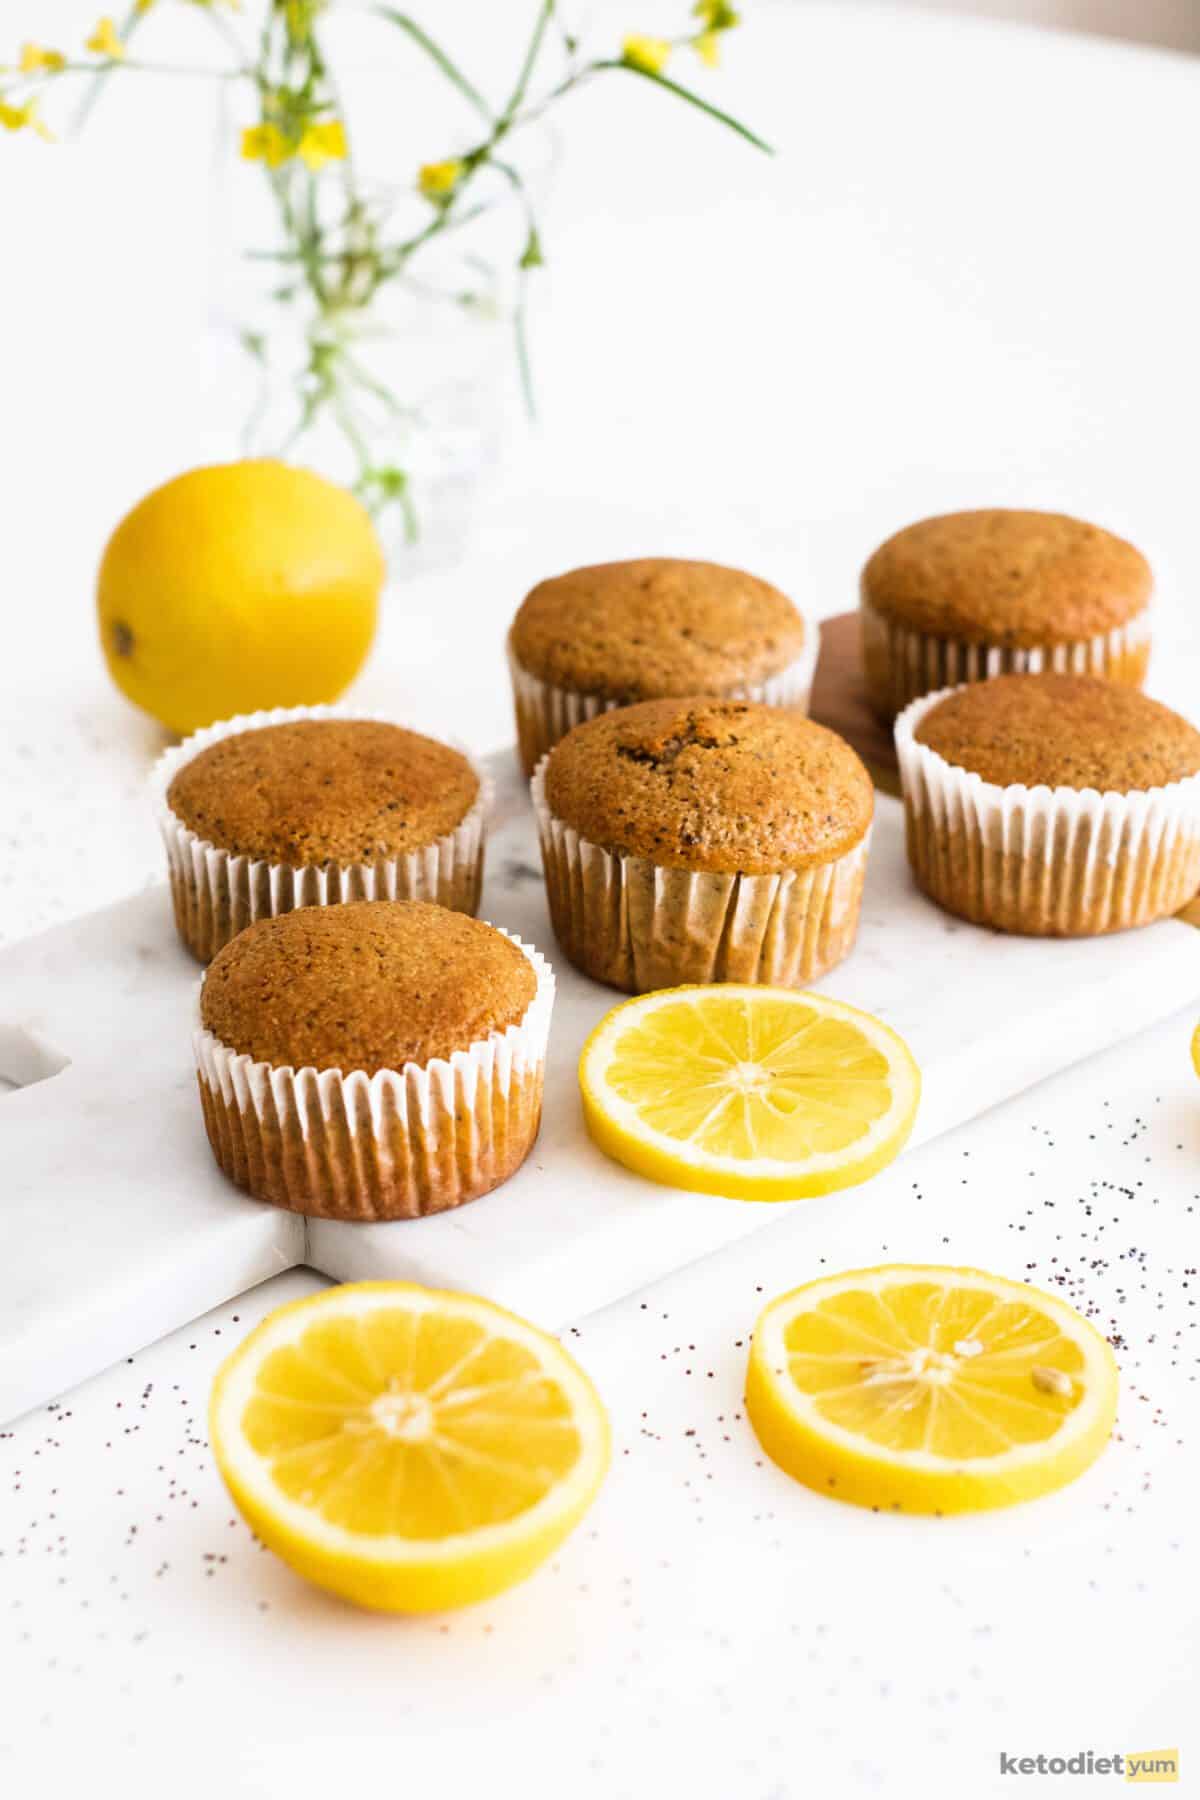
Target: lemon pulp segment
x,y
758,1092
407,1448
929,1389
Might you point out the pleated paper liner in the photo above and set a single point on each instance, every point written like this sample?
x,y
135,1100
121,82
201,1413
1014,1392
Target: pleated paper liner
x,y
637,926
839,700
217,894
1050,862
901,664
394,1145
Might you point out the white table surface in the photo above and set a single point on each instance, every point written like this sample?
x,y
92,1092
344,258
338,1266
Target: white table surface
x,y
971,279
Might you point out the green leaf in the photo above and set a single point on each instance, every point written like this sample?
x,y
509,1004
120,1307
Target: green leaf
x,y
437,55
389,481
673,87
531,256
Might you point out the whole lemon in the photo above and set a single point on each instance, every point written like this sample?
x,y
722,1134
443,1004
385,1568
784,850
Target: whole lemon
x,y
236,587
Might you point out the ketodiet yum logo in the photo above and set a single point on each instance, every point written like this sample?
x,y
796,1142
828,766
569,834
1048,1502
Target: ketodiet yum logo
x,y
1126,1765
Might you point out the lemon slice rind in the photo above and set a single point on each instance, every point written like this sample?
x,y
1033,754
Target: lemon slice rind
x,y
388,1570
832,1459
618,1128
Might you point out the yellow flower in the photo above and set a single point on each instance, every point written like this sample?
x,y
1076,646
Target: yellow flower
x,y
717,15
649,54
708,48
36,56
105,42
142,6
322,144
20,118
438,180
265,143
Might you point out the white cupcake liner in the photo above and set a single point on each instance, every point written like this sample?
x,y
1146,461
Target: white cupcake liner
x,y
902,664
545,713
635,925
1045,862
217,894
394,1145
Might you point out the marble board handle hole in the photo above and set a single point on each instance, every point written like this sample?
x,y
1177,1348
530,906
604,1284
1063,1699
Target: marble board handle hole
x,y
25,1058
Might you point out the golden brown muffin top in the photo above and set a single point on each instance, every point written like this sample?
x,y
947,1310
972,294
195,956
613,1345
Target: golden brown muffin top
x,y
639,630
370,985
324,790
1071,731
720,785
1015,579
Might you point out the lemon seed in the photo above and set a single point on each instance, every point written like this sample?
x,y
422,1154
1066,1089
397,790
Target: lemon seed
x,y
1052,1381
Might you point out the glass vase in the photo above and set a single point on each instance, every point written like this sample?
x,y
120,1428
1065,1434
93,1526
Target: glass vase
x,y
399,376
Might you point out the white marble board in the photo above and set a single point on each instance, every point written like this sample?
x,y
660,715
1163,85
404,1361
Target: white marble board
x,y
116,1226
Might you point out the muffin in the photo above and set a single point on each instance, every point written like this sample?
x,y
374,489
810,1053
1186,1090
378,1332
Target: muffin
x,y
375,1060
312,807
1056,805
655,628
977,594
703,840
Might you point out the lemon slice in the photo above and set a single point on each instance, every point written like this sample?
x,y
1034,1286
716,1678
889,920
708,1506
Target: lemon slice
x,y
755,1092
408,1449
928,1389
